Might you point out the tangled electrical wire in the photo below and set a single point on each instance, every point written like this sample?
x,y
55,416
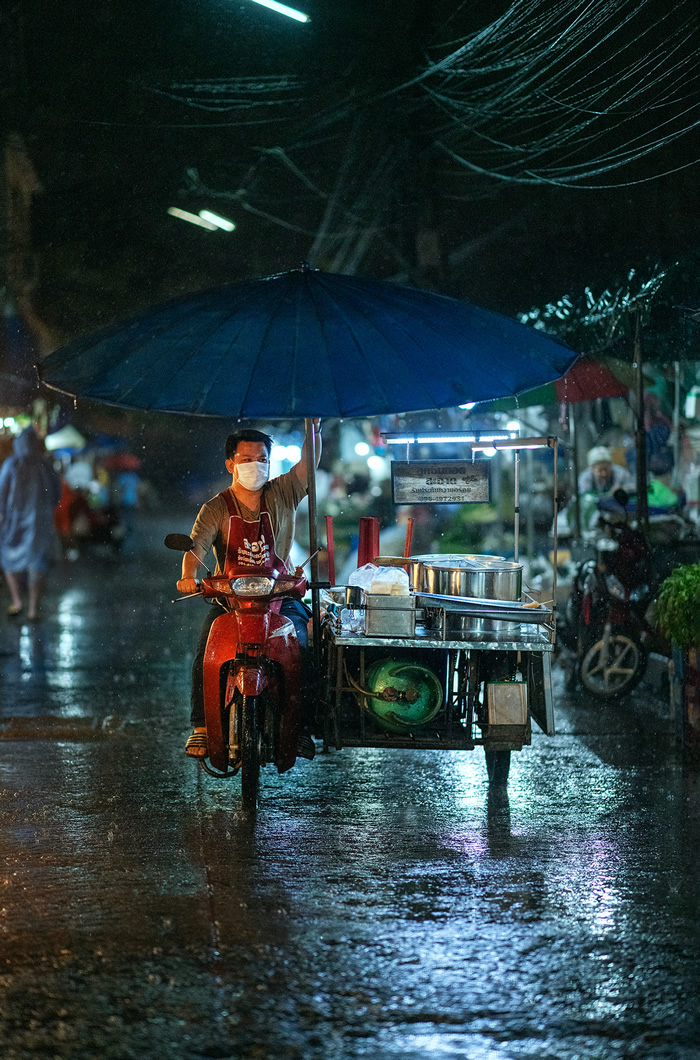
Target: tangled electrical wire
x,y
572,93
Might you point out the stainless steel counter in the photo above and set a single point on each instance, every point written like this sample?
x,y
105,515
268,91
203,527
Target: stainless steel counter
x,y
529,638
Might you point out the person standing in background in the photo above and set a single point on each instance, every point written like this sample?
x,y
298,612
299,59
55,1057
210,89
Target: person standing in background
x,y
30,489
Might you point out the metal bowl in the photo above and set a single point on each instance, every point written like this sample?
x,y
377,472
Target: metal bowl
x,y
346,595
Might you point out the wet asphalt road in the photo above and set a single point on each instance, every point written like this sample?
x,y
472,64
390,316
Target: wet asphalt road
x,y
383,905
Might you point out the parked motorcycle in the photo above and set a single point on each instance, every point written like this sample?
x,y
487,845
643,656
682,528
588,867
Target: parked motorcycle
x,y
252,673
78,524
605,617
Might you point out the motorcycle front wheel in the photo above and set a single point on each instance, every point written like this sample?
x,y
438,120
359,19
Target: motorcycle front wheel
x,y
250,751
613,665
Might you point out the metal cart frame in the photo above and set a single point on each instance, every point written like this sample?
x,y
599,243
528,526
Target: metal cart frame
x,y
463,669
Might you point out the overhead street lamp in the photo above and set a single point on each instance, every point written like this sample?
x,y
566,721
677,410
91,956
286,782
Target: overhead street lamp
x,y
217,220
213,222
282,9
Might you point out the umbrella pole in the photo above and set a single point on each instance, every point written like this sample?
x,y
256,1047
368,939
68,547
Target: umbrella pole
x,y
313,539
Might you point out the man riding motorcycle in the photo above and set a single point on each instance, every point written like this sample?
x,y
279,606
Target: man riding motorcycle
x,y
250,523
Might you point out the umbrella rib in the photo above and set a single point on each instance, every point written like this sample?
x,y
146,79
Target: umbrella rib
x,y
431,399
379,386
222,364
167,354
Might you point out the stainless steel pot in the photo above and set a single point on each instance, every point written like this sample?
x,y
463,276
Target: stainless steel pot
x,y
417,566
496,580
469,627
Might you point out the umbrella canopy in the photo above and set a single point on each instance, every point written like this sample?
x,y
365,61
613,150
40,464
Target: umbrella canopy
x,y
306,343
586,381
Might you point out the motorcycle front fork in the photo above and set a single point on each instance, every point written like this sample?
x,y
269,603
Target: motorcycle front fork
x,y
234,706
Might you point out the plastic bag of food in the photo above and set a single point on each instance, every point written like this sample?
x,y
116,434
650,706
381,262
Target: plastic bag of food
x,y
363,576
390,581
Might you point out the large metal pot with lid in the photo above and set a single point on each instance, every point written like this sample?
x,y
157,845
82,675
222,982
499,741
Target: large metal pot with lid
x,y
417,566
488,579
479,577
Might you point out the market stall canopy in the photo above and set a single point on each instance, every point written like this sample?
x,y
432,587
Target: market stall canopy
x,y
307,343
654,318
670,326
67,438
587,380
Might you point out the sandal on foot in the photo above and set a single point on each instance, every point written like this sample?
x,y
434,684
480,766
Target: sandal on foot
x,y
196,746
13,611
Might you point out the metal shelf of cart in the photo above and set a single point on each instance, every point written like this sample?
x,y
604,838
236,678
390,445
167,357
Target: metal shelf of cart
x,y
526,641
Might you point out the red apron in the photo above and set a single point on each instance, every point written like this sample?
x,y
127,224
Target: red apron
x,y
249,543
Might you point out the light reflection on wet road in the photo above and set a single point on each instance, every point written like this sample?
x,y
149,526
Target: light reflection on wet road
x,y
383,904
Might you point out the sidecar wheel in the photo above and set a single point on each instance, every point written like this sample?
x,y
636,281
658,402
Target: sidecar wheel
x,y
497,767
250,752
611,675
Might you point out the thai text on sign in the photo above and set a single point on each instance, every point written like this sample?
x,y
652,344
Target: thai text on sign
x,y
447,482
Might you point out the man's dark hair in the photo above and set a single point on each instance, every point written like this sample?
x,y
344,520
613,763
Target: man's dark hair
x,y
246,435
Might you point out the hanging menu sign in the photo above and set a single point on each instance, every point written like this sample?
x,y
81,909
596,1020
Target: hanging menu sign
x,y
447,482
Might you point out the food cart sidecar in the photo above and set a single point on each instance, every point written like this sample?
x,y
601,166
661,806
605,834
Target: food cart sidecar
x,y
434,670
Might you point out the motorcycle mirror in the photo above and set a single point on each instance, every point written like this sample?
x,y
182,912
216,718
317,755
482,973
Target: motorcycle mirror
x,y
179,542
622,497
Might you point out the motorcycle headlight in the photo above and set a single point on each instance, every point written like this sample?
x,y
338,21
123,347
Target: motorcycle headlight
x,y
639,593
252,586
615,587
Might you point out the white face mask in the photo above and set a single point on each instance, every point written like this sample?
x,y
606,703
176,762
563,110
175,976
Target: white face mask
x,y
252,475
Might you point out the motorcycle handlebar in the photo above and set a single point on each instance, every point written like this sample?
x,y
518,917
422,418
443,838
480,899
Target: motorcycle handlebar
x,y
211,591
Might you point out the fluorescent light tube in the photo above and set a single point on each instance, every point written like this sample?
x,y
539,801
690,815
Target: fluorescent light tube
x,y
282,9
217,221
184,215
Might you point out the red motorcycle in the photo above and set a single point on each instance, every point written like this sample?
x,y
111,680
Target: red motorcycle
x,y
252,673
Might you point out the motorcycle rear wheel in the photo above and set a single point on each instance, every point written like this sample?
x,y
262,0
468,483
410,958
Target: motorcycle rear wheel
x,y
250,751
611,671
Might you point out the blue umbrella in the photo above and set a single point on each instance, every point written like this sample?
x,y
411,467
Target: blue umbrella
x,y
307,343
